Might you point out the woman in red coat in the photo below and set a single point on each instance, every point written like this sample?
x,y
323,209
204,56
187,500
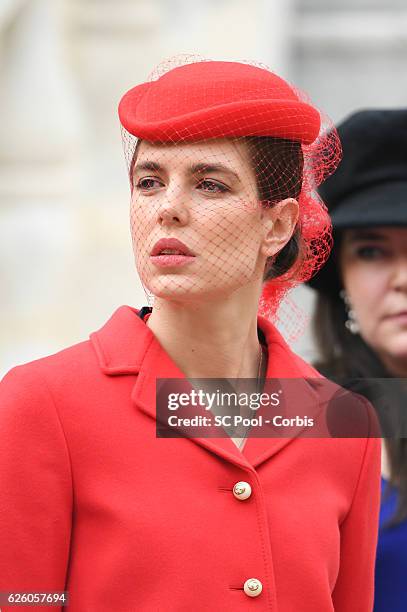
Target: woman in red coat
x,y
93,501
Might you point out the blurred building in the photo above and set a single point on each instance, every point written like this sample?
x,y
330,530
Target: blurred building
x,y
66,260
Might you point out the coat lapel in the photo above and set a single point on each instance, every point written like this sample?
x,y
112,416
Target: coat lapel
x,y
286,374
125,345
158,365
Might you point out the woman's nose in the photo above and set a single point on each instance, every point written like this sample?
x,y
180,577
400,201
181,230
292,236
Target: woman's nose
x,y
173,209
399,275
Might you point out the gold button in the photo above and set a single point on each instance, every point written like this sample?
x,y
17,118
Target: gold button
x,y
252,587
242,490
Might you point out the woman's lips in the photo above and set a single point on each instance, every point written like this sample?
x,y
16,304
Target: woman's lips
x,y
171,252
165,261
170,244
400,318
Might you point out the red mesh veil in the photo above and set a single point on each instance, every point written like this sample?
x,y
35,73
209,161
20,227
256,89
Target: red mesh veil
x,y
213,149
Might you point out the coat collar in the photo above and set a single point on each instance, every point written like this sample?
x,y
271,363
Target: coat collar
x,y
125,345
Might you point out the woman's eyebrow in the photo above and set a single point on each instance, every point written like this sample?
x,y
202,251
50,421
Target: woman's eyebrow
x,y
366,235
148,165
202,168
194,169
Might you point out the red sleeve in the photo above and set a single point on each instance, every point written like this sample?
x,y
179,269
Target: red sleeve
x,y
354,588
35,488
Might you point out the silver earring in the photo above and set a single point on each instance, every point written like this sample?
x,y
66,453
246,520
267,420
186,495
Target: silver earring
x,y
351,323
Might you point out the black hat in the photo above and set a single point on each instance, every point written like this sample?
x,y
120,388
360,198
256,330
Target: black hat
x,y
370,186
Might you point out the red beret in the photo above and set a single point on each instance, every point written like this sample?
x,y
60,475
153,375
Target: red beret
x,y
211,99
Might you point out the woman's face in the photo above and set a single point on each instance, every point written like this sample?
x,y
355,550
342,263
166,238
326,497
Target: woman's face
x,y
204,195
373,264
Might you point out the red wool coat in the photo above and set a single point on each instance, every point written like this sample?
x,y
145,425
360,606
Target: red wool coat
x,y
93,503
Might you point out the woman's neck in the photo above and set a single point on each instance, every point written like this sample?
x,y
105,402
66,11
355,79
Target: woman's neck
x,y
211,340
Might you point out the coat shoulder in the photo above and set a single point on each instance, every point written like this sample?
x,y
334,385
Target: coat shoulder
x,y
68,360
83,358
306,368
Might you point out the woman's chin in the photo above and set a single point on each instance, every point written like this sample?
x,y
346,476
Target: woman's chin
x,y
171,289
394,356
182,290
399,353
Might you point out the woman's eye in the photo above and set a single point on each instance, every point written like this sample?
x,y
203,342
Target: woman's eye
x,y
148,183
211,186
370,252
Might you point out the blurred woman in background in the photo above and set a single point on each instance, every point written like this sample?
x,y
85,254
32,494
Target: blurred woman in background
x,y
360,320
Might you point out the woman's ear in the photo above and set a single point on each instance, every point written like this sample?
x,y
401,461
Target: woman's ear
x,y
279,222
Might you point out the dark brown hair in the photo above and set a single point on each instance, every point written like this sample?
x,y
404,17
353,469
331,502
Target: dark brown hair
x,y
278,166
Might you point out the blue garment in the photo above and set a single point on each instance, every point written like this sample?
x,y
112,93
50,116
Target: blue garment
x,y
391,559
